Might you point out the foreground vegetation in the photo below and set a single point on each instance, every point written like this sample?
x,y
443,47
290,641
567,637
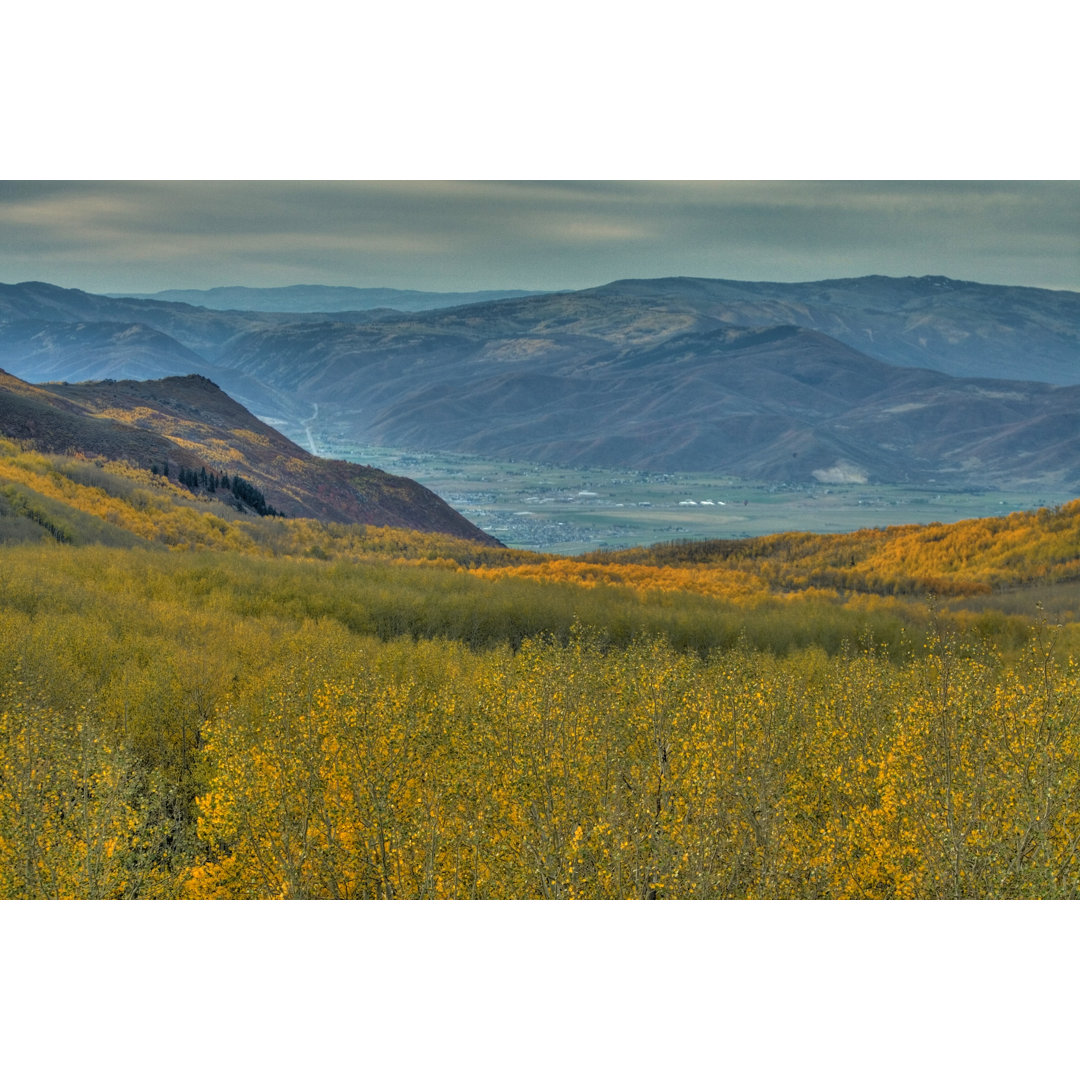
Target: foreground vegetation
x,y
195,704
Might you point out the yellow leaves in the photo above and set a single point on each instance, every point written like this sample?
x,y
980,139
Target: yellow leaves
x,y
213,881
216,727
644,579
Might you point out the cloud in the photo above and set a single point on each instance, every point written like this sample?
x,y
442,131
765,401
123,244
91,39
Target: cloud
x,y
142,236
840,473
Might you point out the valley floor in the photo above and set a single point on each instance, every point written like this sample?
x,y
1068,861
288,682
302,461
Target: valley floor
x,y
567,511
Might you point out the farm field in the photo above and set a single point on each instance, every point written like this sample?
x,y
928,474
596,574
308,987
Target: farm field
x,y
568,511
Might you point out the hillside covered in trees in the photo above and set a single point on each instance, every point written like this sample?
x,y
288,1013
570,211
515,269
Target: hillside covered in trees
x,y
187,430
200,702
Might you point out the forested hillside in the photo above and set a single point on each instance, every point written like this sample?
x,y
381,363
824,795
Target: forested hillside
x,y
194,704
188,431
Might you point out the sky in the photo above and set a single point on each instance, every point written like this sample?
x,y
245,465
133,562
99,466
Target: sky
x,y
145,236
482,145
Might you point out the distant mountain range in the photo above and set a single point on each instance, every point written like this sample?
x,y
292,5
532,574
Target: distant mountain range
x,y
187,423
957,327
322,298
871,378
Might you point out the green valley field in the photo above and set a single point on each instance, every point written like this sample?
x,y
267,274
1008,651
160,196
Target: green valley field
x,y
571,510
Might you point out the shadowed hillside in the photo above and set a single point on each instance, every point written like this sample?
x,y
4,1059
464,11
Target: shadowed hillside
x,y
185,425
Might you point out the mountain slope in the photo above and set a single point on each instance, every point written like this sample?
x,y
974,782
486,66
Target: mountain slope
x,y
194,328
961,328
72,352
958,327
764,380
189,423
48,333
779,403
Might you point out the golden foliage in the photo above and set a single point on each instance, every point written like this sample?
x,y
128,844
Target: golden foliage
x,y
254,709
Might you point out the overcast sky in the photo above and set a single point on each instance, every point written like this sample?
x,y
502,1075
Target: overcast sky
x,y
482,88
146,236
